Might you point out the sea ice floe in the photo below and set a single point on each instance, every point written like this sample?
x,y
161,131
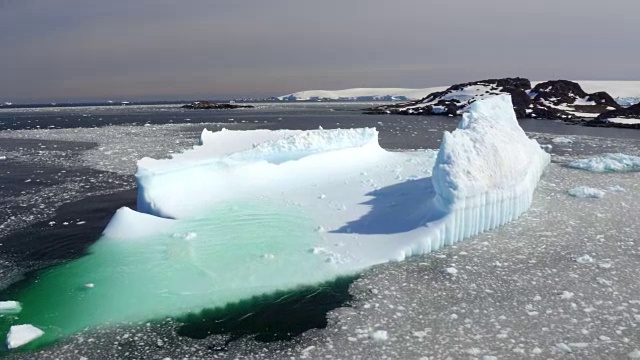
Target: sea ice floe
x,y
608,163
10,307
586,192
20,335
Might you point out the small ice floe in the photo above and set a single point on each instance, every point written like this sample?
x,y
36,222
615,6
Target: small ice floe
x,y
3,158
379,335
564,347
268,256
617,188
20,335
585,260
10,307
546,148
449,271
635,354
608,163
89,285
586,192
562,140
566,295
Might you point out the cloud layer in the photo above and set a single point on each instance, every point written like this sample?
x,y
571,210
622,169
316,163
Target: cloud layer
x,y
68,50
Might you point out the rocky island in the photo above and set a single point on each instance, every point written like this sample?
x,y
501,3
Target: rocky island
x,y
555,100
204,104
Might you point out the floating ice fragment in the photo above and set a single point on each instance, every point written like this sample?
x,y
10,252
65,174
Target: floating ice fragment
x,y
617,188
608,162
546,148
450,271
11,307
20,335
379,335
586,192
90,285
635,354
564,347
566,295
585,259
562,140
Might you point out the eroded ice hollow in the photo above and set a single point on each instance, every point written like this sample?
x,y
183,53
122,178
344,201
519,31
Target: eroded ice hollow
x,y
252,212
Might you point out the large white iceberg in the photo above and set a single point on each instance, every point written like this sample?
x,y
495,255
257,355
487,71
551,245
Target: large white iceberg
x,y
252,212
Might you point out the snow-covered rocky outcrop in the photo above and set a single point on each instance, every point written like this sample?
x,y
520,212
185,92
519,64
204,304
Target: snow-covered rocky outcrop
x,y
624,117
253,212
557,99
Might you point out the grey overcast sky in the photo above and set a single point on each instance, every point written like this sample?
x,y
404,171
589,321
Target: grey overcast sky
x,y
55,50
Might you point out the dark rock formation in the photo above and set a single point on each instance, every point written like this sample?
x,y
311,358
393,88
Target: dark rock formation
x,y
204,104
557,99
606,118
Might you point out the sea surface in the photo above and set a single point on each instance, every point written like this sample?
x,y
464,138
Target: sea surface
x,y
64,172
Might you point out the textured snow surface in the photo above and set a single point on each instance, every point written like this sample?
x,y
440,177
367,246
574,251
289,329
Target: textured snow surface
x,y
586,192
20,335
608,163
240,212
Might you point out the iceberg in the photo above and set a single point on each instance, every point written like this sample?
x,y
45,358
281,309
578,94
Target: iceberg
x,y
608,163
248,213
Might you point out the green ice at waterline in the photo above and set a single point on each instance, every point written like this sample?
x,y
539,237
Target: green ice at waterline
x,y
233,253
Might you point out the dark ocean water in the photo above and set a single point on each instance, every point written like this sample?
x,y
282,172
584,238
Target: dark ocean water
x,y
61,229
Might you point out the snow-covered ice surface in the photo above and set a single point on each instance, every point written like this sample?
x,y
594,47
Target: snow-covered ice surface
x,y
323,202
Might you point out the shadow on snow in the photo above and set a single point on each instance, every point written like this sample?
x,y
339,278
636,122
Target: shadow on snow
x,y
396,209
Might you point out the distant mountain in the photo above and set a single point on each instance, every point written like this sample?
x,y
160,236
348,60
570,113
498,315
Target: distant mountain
x,y
556,99
360,94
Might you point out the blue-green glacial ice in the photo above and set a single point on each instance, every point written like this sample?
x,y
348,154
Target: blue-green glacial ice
x,y
249,213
